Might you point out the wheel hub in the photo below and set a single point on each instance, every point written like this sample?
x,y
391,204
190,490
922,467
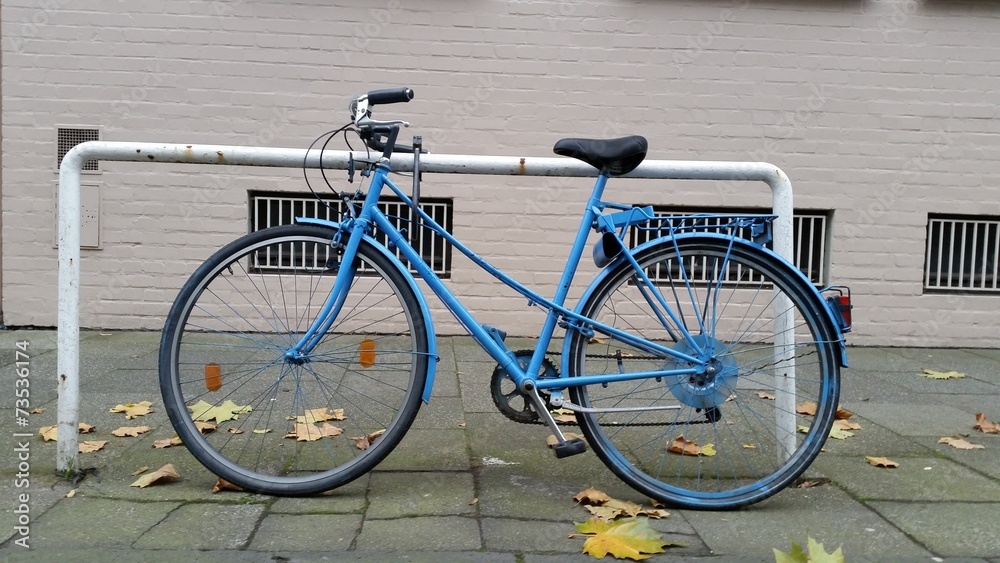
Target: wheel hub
x,y
710,386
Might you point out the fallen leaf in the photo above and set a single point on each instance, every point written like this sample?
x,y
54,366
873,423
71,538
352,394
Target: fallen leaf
x,y
844,424
766,396
133,410
591,496
474,501
48,433
810,483
365,442
806,408
656,504
842,413
461,424
165,472
234,430
840,434
141,470
986,426
960,444
595,340
749,447
261,431
71,494
226,411
204,427
130,431
552,440
683,447
731,398
708,450
654,513
319,415
618,507
564,415
304,433
881,462
942,374
37,410
167,442
90,446
632,539
816,554
223,485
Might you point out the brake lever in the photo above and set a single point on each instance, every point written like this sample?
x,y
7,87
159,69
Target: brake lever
x,y
367,122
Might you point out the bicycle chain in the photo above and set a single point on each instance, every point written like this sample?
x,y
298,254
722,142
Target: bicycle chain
x,y
539,421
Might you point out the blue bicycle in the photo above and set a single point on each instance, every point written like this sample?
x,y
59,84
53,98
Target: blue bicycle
x,y
702,368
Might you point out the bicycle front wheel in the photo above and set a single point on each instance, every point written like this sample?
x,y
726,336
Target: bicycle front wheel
x,y
283,425
738,431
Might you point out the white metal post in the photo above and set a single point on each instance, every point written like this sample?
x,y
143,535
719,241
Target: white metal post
x,y
68,362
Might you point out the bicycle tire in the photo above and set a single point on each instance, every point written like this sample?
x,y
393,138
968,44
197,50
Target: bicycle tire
x,y
732,286
225,339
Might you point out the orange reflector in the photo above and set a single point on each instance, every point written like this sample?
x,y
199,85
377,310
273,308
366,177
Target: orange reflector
x,y
213,376
367,349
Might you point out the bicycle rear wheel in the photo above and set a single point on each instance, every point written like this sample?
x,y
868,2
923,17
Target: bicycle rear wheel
x,y
284,426
734,435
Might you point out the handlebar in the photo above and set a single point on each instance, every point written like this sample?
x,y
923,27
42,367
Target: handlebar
x,y
389,96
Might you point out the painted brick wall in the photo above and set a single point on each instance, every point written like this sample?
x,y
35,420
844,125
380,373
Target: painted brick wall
x,y
880,110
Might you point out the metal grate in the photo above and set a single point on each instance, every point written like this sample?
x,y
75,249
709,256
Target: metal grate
x,y
962,253
809,239
67,138
269,209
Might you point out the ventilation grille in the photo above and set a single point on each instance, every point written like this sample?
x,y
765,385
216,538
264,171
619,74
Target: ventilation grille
x,y
71,137
270,209
809,240
962,254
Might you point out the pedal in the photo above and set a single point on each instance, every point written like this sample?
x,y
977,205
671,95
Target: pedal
x,y
569,447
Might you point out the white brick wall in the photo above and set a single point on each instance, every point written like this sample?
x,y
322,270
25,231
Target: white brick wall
x,y
882,110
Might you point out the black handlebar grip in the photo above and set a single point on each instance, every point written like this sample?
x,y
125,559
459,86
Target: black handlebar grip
x,y
389,96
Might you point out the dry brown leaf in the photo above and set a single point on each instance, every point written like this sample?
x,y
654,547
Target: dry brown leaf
x,y
167,442
130,431
656,504
474,501
986,426
843,424
654,513
462,424
48,433
228,410
605,513
223,485
141,470
133,410
806,408
842,414
261,430
205,427
766,396
90,446
881,462
320,415
85,428
960,444
37,410
592,496
365,442
810,483
564,415
165,472
234,430
683,447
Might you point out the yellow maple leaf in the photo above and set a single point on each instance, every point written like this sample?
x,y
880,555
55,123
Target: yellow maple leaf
x,y
943,374
130,431
228,410
165,472
90,446
320,415
632,538
133,410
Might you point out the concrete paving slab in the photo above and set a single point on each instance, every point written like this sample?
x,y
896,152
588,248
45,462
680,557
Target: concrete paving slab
x,y
502,534
426,533
441,412
985,461
349,498
873,437
912,419
404,493
204,526
306,532
912,480
826,513
425,449
959,529
102,554
87,522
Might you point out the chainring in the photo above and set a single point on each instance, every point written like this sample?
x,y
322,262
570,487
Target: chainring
x,y
514,404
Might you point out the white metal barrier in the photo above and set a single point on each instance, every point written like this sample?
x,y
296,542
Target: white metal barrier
x,y
68,351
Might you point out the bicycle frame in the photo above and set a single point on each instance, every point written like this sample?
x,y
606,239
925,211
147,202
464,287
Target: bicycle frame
x,y
370,216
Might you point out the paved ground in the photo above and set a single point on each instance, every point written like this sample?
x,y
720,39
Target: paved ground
x,y
941,503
